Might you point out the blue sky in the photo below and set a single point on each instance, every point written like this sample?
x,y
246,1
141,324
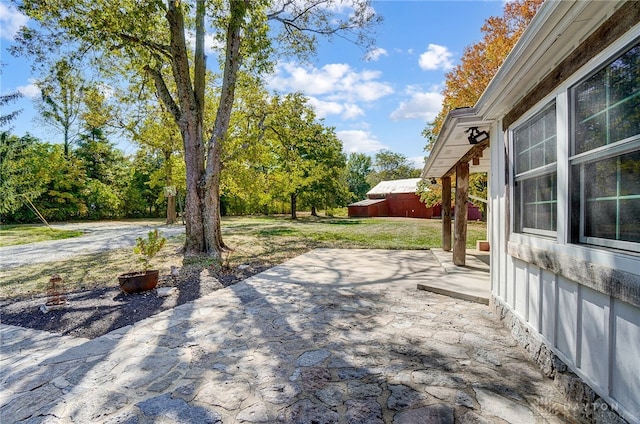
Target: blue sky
x,y
382,102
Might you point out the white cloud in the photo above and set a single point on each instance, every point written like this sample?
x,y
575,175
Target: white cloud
x,y
376,53
211,44
352,111
417,161
10,21
324,108
30,90
436,57
359,141
337,81
423,106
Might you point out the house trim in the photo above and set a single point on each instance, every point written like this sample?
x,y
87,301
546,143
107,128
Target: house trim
x,y
622,285
614,28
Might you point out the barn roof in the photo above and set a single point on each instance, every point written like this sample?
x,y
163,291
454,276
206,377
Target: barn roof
x,y
367,202
409,185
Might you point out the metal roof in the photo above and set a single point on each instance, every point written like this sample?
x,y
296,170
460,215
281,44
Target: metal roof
x,y
367,202
409,185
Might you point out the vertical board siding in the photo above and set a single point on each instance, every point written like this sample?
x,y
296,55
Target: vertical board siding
x,y
534,301
511,283
503,276
594,338
625,381
548,304
521,291
567,320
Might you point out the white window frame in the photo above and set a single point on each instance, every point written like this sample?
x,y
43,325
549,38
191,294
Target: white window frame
x,y
563,246
547,169
616,149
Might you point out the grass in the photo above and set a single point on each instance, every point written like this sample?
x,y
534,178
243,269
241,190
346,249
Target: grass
x,y
11,235
258,241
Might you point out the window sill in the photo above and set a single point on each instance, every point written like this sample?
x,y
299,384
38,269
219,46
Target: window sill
x,y
581,264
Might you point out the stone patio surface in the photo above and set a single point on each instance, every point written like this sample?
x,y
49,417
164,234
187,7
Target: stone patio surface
x,y
332,336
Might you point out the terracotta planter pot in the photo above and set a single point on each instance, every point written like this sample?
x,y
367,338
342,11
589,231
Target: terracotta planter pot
x,y
136,282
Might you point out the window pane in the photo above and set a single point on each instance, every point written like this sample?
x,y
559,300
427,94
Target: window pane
x,y
537,203
600,179
630,174
624,119
612,195
590,98
546,216
630,220
600,219
535,141
537,156
550,125
522,148
623,75
591,134
607,105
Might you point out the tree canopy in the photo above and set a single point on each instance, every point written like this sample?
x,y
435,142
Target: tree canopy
x,y
162,42
388,165
466,82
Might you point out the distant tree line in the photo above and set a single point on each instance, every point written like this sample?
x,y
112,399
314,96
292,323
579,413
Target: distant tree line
x,y
94,181
278,158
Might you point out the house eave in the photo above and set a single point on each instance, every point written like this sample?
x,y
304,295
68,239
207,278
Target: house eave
x,y
557,29
452,144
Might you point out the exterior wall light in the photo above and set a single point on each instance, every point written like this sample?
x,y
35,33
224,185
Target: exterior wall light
x,y
476,136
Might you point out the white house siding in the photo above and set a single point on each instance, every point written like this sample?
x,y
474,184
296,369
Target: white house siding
x,y
595,334
582,302
625,369
592,326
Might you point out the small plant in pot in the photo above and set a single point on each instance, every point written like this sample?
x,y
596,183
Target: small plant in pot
x,y
139,281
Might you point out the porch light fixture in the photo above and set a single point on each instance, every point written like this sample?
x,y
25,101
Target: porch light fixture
x,y
476,136
433,181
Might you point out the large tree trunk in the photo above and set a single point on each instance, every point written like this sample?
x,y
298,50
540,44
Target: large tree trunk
x,y
202,203
171,210
194,227
211,181
188,115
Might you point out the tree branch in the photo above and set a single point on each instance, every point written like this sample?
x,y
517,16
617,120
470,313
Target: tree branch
x,y
163,92
160,48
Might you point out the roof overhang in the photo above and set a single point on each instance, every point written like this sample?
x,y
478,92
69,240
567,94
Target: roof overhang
x,y
558,28
452,144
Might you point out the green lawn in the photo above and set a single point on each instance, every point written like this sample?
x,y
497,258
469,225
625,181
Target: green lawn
x,y
11,235
257,241
372,233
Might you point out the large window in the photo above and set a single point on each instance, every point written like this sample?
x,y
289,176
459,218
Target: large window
x,y
605,155
535,177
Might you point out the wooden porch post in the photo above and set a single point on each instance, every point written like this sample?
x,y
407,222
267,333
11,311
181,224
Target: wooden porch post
x,y
462,189
446,214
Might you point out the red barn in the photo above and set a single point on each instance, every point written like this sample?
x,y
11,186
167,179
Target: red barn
x,y
392,198
398,198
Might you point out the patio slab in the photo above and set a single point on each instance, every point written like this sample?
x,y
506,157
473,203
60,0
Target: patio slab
x,y
332,336
470,282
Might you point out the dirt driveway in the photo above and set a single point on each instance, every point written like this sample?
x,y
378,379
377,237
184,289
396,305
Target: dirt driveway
x,y
99,237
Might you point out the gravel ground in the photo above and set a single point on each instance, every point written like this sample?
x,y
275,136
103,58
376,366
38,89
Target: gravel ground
x,y
92,313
